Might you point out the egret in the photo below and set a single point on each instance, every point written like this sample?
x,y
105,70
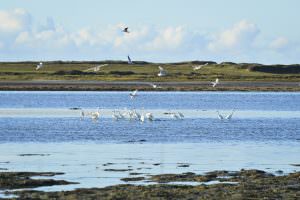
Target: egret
x,y
199,66
39,66
133,94
214,84
162,71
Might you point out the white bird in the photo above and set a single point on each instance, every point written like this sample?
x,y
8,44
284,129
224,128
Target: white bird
x,y
155,86
39,66
221,117
162,71
95,115
116,115
125,30
129,60
142,118
97,68
175,116
180,115
149,116
214,84
197,67
82,115
228,117
133,94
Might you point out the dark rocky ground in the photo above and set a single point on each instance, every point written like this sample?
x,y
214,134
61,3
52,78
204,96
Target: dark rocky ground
x,y
244,184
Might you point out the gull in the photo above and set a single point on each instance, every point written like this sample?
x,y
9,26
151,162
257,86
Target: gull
x,y
39,66
214,84
133,94
97,68
129,60
125,30
197,67
162,71
228,117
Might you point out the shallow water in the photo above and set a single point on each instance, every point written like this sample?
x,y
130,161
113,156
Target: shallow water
x,y
264,133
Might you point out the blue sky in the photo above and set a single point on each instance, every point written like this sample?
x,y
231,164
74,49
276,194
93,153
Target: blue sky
x,y
170,30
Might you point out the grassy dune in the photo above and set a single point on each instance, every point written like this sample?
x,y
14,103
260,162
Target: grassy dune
x,y
143,71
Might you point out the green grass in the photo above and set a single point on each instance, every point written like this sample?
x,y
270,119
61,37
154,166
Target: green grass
x,y
145,72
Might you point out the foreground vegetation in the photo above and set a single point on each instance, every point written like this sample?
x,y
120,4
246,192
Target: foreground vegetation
x,y
144,71
244,184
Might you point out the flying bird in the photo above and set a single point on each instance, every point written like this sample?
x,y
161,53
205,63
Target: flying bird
x,y
97,68
214,84
129,60
162,71
155,86
125,30
39,66
197,67
133,94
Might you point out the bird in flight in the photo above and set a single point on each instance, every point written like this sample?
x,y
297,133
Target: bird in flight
x,y
197,67
39,66
125,30
129,60
97,68
162,71
133,94
214,84
155,86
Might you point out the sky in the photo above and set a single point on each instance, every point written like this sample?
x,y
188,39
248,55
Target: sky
x,y
260,31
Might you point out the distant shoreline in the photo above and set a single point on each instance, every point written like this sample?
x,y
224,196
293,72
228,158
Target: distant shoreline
x,y
63,85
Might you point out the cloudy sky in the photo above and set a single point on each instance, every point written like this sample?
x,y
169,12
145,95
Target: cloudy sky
x,y
265,31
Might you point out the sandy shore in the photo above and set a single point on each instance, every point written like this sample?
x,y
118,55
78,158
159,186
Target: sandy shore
x,y
59,85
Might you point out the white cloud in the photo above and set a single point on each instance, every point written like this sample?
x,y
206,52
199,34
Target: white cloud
x,y
170,38
279,43
14,21
236,39
21,38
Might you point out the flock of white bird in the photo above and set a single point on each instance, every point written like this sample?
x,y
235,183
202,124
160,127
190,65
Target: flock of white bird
x,y
162,72
133,114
